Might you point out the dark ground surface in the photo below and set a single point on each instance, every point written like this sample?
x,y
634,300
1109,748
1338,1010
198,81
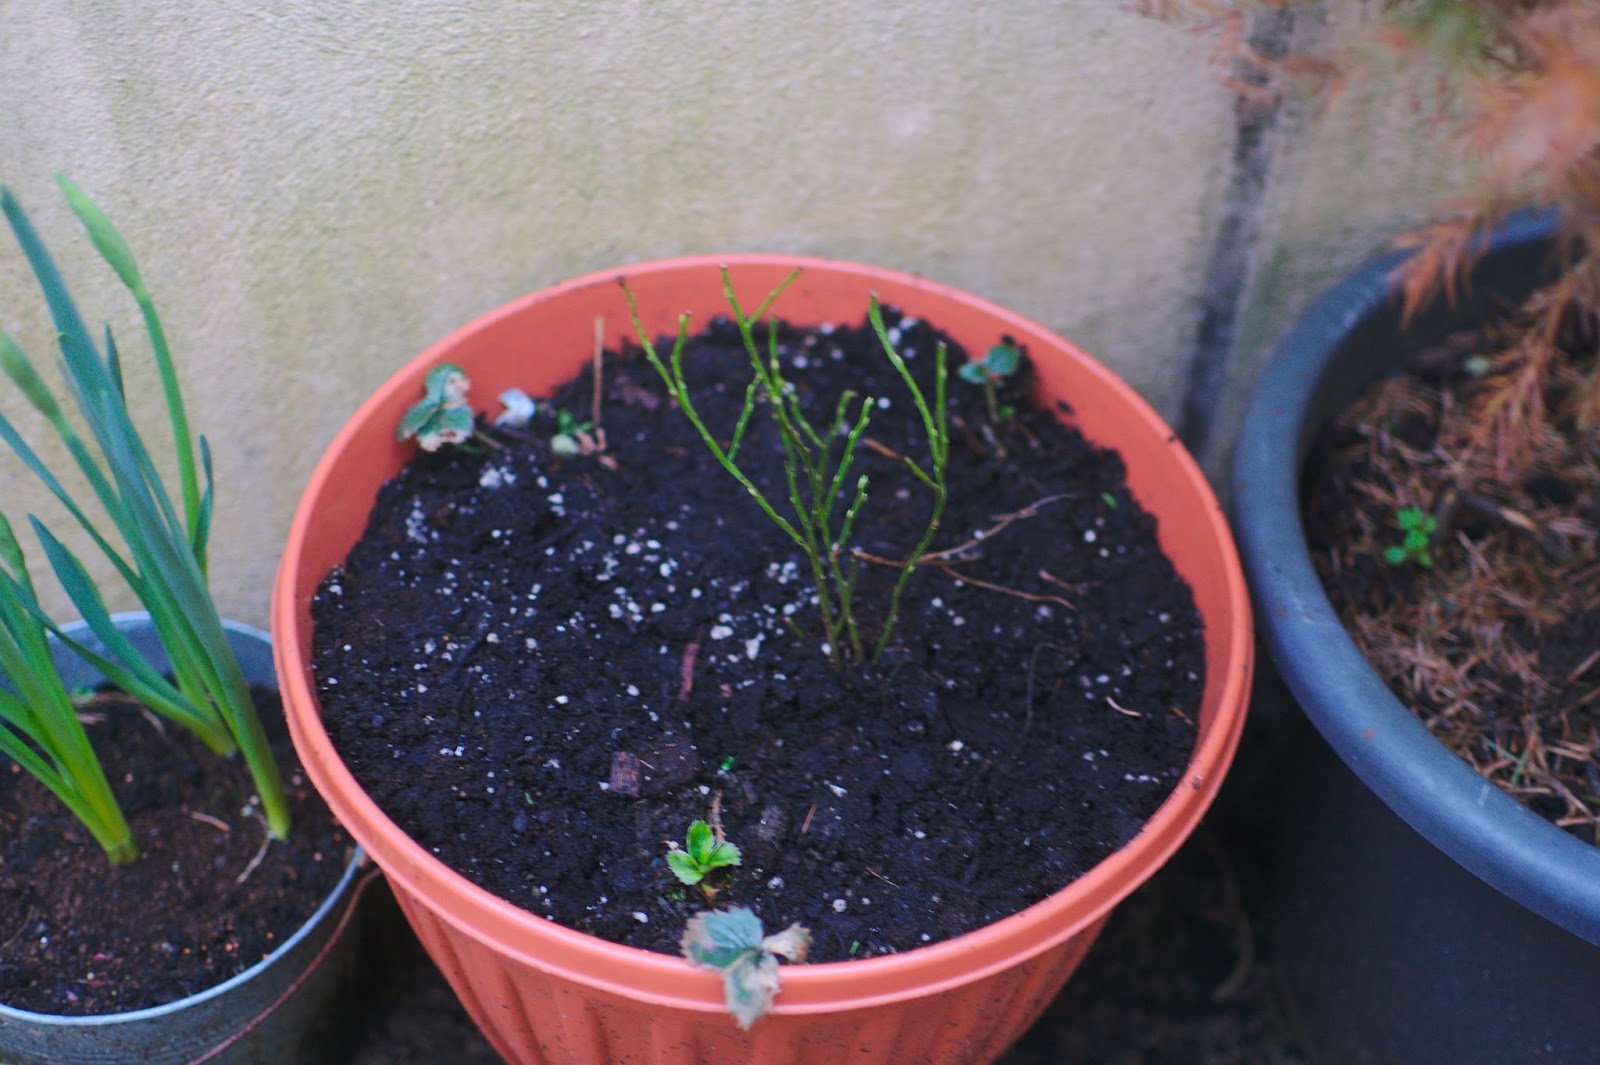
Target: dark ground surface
x,y
1184,973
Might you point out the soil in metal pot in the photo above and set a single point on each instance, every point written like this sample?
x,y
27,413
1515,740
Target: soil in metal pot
x,y
543,667
208,897
1494,639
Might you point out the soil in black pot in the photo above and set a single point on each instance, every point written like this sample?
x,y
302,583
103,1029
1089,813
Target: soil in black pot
x,y
207,898
544,667
1492,637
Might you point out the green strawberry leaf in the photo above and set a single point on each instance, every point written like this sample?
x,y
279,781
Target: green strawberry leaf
x,y
1003,360
684,867
700,843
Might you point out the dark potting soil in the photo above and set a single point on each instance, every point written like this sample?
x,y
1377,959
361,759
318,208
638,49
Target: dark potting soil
x,y
544,667
201,904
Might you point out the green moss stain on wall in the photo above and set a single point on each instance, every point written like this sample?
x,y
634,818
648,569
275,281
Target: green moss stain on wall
x,y
320,191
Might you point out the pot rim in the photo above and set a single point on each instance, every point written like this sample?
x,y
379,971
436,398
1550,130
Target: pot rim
x,y
653,977
336,897
1438,794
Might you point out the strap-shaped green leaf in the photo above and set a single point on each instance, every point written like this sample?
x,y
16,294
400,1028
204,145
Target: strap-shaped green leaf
x,y
86,374
122,663
114,366
105,236
17,366
92,473
200,537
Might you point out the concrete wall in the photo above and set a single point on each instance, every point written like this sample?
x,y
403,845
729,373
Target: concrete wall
x,y
317,191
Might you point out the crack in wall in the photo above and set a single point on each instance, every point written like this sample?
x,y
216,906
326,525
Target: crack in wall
x,y
1258,129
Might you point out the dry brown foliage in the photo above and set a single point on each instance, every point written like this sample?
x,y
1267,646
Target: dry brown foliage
x,y
1496,647
1516,84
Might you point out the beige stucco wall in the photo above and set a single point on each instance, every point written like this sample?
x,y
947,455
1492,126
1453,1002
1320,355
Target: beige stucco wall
x,y
1356,170
317,191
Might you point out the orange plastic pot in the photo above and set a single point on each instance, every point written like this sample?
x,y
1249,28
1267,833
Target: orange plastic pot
x,y
547,994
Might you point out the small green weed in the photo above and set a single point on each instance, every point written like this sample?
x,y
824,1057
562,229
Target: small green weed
x,y
572,437
1417,528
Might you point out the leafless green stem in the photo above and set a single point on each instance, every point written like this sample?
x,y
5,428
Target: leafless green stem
x,y
815,474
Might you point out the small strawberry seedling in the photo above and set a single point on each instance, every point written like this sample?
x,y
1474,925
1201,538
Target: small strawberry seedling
x,y
572,437
732,942
999,363
703,853
442,415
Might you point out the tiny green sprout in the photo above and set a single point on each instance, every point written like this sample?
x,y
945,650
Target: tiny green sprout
x,y
527,798
442,415
701,855
855,945
677,895
726,765
999,363
1109,500
572,437
1417,528
732,942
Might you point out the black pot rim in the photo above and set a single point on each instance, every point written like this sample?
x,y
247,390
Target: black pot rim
x,y
1481,827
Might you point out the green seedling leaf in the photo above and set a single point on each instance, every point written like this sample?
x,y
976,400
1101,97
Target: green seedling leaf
x,y
973,373
442,415
732,942
999,363
716,939
1417,527
415,419
700,842
1003,360
702,854
447,385
571,434
684,867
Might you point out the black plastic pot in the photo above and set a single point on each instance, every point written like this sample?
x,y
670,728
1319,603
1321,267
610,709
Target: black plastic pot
x,y
1425,916
284,1009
